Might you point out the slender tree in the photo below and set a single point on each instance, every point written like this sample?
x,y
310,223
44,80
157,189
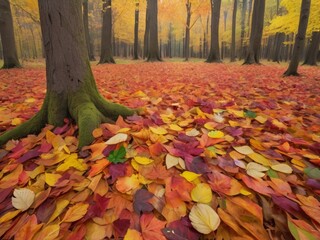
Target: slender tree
x,y
233,37
10,55
136,31
313,49
71,89
257,21
300,39
214,54
243,29
153,53
187,38
106,55
147,32
86,29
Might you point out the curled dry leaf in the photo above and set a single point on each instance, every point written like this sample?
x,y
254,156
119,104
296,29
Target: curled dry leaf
x,y
204,219
22,198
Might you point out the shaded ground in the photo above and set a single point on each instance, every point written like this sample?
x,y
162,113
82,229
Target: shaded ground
x,y
245,133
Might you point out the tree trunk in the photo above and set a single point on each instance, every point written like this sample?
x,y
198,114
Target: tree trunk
x,y
147,32
253,54
233,37
243,29
279,39
300,39
10,55
187,38
106,35
86,29
153,54
136,32
313,49
214,54
71,89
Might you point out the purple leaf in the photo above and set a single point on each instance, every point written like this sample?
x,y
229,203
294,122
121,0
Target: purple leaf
x,y
197,165
141,201
288,205
121,226
117,170
29,155
180,230
313,183
45,210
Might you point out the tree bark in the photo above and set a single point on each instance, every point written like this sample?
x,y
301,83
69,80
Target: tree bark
x,y
257,21
313,49
187,38
153,53
243,29
71,89
300,39
106,55
147,32
279,39
136,32
10,55
86,29
214,54
233,37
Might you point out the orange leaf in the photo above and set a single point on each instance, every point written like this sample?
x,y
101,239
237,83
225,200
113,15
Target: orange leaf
x,y
151,227
75,212
29,229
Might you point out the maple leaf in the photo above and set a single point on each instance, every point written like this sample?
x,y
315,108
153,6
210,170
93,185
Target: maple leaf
x,y
118,155
141,201
151,227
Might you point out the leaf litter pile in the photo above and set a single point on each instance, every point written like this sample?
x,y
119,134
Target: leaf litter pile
x,y
221,152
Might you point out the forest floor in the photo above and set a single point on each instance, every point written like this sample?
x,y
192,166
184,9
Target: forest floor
x,y
223,151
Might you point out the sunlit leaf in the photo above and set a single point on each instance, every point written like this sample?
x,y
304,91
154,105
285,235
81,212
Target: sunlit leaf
x,y
22,198
284,168
201,193
75,212
118,138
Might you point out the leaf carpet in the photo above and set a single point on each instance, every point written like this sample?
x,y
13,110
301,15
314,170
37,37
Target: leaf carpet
x,y
221,151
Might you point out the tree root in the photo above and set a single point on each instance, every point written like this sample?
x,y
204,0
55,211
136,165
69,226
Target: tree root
x,y
87,113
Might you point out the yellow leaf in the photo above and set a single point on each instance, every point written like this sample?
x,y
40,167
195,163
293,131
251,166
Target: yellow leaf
x,y
50,232
284,168
158,130
244,150
72,161
118,138
261,119
201,193
204,219
255,173
75,212
236,156
127,184
8,216
245,192
143,160
133,234
52,178
259,159
237,113
22,198
29,100
16,121
190,176
175,127
60,206
216,134
279,124
210,125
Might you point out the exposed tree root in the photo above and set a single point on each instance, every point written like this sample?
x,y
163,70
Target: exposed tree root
x,y
89,111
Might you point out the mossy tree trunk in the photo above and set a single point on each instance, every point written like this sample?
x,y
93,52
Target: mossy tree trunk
x,y
106,55
71,88
300,39
253,55
10,55
214,54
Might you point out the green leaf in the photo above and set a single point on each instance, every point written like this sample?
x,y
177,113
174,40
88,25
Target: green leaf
x,y
272,174
249,114
312,172
118,156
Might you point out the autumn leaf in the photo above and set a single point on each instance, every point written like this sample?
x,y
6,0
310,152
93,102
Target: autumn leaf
x,y
118,138
22,199
201,193
75,212
151,227
203,218
133,234
118,155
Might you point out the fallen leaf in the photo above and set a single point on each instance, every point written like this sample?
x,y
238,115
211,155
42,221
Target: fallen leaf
x,y
22,199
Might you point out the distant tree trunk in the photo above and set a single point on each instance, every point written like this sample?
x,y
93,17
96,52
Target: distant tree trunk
x,y
170,41
106,55
187,38
243,29
10,55
233,37
300,39
313,49
214,54
253,54
136,32
279,39
153,54
86,29
147,32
